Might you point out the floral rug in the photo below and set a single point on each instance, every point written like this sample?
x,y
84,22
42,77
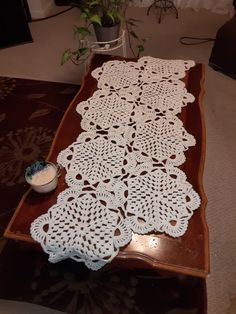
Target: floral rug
x,y
30,112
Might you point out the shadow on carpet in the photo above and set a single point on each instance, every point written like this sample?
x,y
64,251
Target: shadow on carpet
x,y
30,112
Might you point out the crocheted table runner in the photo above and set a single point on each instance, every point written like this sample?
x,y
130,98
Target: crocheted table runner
x,y
121,172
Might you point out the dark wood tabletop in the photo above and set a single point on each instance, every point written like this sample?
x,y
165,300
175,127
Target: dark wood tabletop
x,y
188,254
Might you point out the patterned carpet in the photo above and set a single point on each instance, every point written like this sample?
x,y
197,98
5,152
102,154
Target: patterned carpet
x,y
30,112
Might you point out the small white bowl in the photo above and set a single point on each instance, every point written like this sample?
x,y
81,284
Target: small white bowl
x,y
46,185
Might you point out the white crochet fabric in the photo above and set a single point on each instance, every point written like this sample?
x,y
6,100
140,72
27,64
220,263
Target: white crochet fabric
x,y
106,109
94,157
80,226
163,96
121,75
169,198
165,68
164,139
122,171
117,74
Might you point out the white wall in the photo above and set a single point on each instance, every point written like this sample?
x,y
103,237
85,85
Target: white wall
x,y
40,8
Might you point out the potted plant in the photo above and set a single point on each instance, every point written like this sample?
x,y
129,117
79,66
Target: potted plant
x,y
105,17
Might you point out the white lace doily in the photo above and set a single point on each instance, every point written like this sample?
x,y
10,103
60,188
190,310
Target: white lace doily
x,y
94,157
169,198
107,109
161,139
122,171
162,96
117,74
80,226
165,68
121,75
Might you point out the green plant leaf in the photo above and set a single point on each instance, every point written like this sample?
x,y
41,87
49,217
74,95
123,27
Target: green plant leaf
x,y
140,48
119,16
134,20
82,31
131,23
93,3
133,34
84,16
66,56
83,51
95,19
86,11
111,16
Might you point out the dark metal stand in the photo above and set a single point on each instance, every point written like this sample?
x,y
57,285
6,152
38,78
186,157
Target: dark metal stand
x,y
163,5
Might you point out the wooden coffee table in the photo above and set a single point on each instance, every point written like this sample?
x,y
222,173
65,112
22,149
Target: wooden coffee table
x,y
188,254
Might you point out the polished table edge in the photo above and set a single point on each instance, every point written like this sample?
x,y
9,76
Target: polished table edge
x,y
204,200
158,265
152,262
